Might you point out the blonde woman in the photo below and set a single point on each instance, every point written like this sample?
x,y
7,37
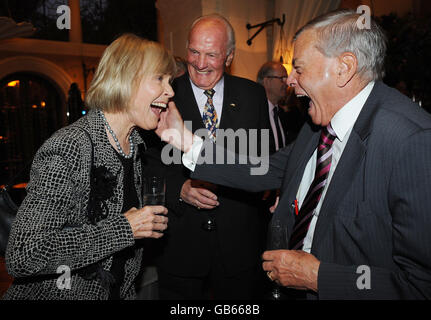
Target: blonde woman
x,y
74,236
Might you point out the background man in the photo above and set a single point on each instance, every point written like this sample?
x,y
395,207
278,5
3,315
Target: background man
x,y
215,237
355,185
273,77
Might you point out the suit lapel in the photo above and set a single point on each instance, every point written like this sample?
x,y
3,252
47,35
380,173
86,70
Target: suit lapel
x,y
186,102
348,166
230,108
294,172
188,107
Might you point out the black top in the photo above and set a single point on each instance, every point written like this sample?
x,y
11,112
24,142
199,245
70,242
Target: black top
x,y
130,200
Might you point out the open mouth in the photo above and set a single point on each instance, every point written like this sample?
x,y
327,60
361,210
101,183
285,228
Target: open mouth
x,y
304,100
202,72
158,107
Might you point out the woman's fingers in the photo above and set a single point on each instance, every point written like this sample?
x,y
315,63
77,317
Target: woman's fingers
x,y
148,221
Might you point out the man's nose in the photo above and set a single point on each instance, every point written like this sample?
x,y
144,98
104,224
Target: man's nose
x,y
291,79
201,62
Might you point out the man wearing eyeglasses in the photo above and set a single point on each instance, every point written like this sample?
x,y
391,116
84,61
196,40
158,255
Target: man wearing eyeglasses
x,y
273,77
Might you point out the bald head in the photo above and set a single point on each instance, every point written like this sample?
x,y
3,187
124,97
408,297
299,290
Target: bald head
x,y
209,50
220,21
273,76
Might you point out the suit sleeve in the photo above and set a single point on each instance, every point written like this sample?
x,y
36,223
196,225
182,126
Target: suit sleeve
x,y
257,174
38,242
410,206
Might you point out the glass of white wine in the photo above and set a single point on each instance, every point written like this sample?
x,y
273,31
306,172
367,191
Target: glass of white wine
x,y
277,241
153,191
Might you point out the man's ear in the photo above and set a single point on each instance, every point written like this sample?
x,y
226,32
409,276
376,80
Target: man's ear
x,y
229,59
347,68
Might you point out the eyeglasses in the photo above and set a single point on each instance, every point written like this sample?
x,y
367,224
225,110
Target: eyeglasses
x,y
284,78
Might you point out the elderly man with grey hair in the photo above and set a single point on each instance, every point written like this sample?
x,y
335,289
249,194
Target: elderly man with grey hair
x,y
215,240
354,199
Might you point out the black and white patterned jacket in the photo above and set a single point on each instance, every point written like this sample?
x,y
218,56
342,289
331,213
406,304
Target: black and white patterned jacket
x,y
57,196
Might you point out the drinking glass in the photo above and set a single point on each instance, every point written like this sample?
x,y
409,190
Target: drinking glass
x,y
277,240
153,191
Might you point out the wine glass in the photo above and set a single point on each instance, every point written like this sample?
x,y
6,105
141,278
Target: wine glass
x,y
277,240
153,194
153,191
210,222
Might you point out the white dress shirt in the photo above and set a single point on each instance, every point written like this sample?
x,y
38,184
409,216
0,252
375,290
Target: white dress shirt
x,y
271,108
342,123
201,98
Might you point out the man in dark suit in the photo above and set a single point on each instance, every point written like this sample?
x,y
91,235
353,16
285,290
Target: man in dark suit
x,y
215,239
273,77
355,185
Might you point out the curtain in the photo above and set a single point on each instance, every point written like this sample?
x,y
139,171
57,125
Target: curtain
x,y
248,59
298,13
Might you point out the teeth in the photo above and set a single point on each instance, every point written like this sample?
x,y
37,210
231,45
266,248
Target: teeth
x,y
159,104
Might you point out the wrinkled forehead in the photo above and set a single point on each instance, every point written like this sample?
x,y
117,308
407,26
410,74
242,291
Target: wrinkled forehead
x,y
210,28
305,43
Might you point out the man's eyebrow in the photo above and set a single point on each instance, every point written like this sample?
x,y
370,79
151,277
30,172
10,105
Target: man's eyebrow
x,y
295,62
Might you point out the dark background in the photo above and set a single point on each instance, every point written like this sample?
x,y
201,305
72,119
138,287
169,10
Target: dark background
x,y
102,20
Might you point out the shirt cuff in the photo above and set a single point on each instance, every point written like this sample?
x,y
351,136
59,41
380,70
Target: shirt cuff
x,y
191,157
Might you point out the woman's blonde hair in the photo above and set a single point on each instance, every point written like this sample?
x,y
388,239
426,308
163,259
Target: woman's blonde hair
x,y
123,64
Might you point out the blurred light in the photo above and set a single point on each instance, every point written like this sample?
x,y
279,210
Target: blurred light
x,y
288,67
43,104
34,106
13,83
20,185
67,113
84,112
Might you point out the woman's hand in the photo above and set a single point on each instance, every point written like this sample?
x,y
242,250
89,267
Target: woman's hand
x,y
171,129
148,221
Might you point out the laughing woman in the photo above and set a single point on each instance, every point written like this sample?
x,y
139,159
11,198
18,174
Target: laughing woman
x,y
75,232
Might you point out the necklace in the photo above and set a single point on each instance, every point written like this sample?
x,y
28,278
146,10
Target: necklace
x,y
117,143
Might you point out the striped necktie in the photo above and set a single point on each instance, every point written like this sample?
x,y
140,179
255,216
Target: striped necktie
x,y
209,116
305,215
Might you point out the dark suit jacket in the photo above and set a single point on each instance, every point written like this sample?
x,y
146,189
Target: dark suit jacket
x,y
292,122
239,226
377,210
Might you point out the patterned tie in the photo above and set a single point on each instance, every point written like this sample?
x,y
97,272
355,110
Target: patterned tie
x,y
210,115
305,215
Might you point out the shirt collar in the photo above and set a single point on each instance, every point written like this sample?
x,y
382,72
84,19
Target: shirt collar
x,y
344,120
218,88
271,106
